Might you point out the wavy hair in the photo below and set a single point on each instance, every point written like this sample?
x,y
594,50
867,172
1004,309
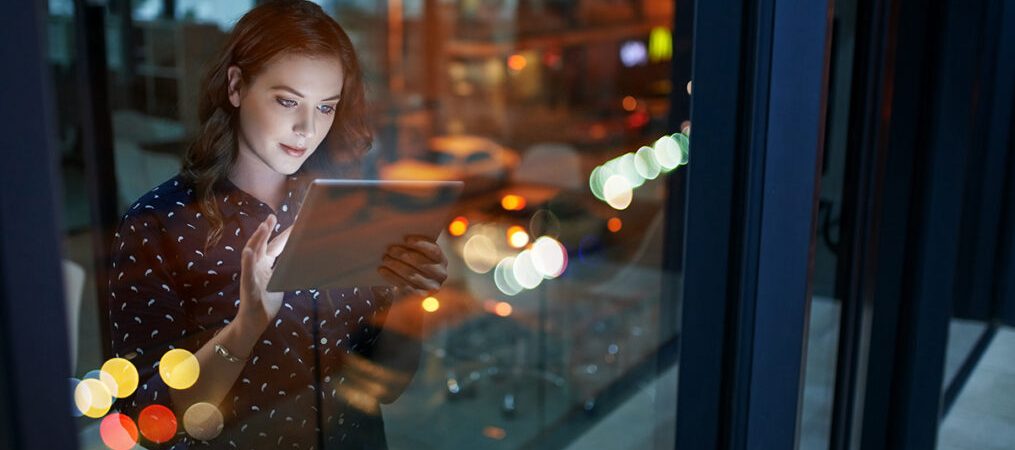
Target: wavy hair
x,y
270,30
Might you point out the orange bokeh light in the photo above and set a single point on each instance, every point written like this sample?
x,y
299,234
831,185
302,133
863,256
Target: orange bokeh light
x,y
614,224
630,103
492,432
502,309
157,423
118,432
512,202
517,62
458,226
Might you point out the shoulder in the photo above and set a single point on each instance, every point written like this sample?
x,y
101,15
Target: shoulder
x,y
161,204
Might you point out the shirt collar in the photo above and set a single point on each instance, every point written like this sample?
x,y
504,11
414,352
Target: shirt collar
x,y
232,199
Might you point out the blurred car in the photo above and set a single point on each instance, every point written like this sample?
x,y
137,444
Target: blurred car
x,y
480,162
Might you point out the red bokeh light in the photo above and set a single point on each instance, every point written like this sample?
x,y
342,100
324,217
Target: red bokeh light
x,y
157,423
118,432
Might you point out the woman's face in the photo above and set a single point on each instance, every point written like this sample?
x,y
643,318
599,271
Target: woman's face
x,y
287,110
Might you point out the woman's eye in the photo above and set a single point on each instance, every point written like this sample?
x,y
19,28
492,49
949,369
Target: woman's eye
x,y
326,109
287,102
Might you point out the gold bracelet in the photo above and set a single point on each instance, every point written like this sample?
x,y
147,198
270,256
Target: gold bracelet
x,y
228,356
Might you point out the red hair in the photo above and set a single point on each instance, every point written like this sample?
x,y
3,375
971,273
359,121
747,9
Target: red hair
x,y
270,30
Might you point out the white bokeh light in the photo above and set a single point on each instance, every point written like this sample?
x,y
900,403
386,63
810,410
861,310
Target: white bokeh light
x,y
549,257
618,192
667,153
480,253
504,277
525,271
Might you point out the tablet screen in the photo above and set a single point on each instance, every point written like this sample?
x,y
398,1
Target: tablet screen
x,y
345,227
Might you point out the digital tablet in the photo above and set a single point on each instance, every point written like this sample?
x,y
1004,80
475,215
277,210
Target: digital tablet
x,y
345,227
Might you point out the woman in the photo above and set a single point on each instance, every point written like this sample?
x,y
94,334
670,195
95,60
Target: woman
x,y
191,259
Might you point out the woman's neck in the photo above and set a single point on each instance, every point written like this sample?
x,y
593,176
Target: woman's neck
x,y
256,178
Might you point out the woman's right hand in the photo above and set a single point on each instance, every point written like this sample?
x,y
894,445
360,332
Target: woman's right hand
x,y
257,305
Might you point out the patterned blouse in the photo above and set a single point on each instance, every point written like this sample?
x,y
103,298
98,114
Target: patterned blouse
x,y
310,382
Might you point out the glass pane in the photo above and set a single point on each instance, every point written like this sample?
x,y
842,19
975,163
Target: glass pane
x,y
826,303
548,328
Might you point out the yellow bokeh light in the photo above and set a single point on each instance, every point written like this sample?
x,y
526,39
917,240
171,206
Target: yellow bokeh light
x,y
630,103
614,224
517,236
517,63
93,398
431,304
503,309
458,226
124,374
203,421
179,368
512,202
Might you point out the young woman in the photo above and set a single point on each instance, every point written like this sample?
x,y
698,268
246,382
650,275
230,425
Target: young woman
x,y
282,104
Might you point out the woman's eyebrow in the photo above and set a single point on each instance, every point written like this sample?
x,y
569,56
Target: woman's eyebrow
x,y
283,87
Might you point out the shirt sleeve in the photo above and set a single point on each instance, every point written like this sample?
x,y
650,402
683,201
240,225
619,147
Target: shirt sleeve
x,y
146,314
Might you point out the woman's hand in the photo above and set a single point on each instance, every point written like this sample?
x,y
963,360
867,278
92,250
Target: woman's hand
x,y
415,267
257,305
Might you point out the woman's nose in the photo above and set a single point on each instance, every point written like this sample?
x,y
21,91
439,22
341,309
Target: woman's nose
x,y
305,127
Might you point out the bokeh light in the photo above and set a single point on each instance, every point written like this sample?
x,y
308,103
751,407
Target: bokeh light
x,y
688,88
157,423
544,223
106,379
618,192
512,202
124,375
179,369
549,257
629,103
625,166
517,62
118,432
645,163
614,224
517,236
92,397
684,144
503,309
74,410
667,153
504,277
480,253
203,421
458,226
525,271
431,304
596,182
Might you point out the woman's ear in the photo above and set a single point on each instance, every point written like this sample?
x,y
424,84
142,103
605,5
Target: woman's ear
x,y
234,77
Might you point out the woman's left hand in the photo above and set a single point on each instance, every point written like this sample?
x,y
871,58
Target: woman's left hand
x,y
417,266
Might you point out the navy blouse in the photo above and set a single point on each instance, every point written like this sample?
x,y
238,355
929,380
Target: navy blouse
x,y
307,384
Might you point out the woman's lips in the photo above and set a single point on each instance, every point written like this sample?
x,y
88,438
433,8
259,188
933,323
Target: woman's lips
x,y
294,151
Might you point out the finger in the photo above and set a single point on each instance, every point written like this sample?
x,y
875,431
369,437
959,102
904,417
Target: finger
x,y
402,288
270,222
418,261
411,275
278,243
426,247
255,239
